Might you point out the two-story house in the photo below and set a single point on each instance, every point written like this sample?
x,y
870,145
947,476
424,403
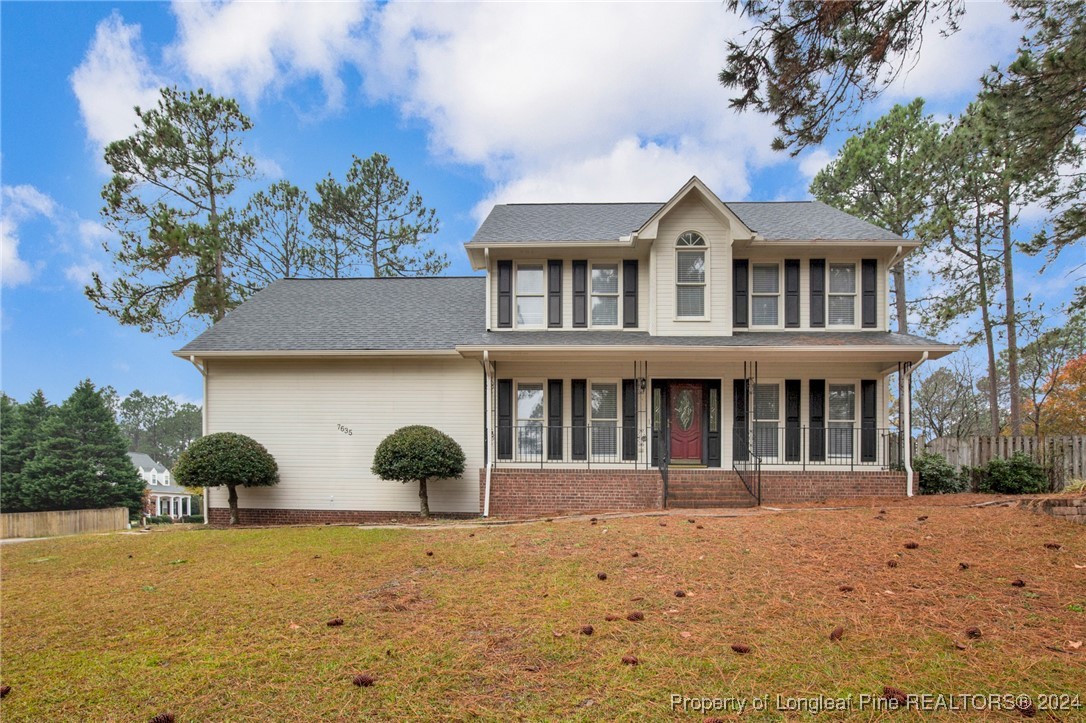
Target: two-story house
x,y
164,497
614,356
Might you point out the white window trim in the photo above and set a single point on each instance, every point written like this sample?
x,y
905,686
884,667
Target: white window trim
x,y
855,296
517,419
617,263
617,382
780,423
707,285
856,390
780,295
517,294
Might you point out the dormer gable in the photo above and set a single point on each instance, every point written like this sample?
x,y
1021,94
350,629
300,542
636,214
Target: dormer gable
x,y
649,230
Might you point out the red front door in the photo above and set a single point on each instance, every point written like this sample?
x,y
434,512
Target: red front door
x,y
685,423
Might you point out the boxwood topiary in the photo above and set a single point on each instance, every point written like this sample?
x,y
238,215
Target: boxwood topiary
x,y
418,454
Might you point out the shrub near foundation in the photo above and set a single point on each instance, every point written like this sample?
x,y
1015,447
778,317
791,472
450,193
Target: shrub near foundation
x,y
937,476
226,459
418,454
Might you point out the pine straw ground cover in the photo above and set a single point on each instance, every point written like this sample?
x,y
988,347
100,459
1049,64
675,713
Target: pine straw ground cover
x,y
232,624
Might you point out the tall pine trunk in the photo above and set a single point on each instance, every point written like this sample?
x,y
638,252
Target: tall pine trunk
x,y
989,336
899,297
1012,317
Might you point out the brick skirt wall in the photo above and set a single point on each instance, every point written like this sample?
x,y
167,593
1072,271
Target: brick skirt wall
x,y
556,491
810,486
247,516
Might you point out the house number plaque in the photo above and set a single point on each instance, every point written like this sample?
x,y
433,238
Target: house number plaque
x,y
346,430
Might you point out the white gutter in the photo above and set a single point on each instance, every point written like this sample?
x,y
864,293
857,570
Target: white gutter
x,y
202,368
897,256
488,371
907,425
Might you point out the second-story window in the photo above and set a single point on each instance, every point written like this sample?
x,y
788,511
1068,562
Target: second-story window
x,y
842,296
604,294
530,300
765,292
690,276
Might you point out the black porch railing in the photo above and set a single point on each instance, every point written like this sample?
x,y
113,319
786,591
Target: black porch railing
x,y
848,446
598,443
750,474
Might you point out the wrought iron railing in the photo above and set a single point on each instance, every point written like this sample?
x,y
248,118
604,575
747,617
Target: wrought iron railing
x,y
596,443
750,474
847,446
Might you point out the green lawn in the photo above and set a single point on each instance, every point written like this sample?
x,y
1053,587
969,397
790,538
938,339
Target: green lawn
x,y
230,624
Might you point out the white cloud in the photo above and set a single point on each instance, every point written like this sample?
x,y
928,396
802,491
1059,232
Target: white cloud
x,y
571,101
949,66
20,204
245,48
114,77
813,162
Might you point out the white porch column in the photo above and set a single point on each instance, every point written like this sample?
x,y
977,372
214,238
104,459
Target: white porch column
x,y
188,506
158,506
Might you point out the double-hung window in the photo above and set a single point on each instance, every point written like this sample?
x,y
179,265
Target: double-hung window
x,y
767,417
604,294
842,421
604,398
842,295
530,296
765,292
690,276
530,421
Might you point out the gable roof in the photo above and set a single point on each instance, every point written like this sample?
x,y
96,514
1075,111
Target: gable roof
x,y
586,222
386,314
144,461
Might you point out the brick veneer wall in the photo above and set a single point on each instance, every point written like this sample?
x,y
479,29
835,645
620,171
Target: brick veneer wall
x,y
259,516
554,491
809,486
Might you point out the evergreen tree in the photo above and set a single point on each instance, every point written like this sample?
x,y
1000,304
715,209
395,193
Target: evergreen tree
x,y
22,431
80,460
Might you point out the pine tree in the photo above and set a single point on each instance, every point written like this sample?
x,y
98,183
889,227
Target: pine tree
x,y
22,430
80,460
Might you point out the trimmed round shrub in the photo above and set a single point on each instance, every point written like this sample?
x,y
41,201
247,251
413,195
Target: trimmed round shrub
x,y
1019,475
937,476
418,454
226,459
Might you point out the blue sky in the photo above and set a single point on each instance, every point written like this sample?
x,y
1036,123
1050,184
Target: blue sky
x,y
474,104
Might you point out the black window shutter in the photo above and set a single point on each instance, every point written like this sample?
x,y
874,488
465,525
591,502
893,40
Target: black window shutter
x,y
580,294
791,293
817,404
554,294
740,438
629,293
505,419
868,433
818,293
554,419
739,293
505,294
868,286
791,420
629,419
578,408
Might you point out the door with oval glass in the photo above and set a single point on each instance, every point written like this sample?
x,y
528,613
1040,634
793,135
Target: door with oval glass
x,y
685,423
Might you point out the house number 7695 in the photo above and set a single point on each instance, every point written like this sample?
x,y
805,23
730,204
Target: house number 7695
x,y
345,430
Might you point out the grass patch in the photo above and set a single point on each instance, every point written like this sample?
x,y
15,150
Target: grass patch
x,y
231,624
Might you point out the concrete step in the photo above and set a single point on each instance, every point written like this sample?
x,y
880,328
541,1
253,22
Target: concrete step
x,y
707,502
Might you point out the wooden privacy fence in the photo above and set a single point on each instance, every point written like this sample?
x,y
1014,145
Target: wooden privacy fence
x,y
1063,457
62,522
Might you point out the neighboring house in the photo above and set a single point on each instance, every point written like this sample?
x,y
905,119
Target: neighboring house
x,y
165,497
615,356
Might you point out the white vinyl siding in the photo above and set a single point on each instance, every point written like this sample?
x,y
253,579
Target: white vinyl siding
x,y
295,408
765,290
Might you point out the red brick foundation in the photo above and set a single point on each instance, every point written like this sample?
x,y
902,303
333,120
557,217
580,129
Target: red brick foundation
x,y
248,516
811,486
518,492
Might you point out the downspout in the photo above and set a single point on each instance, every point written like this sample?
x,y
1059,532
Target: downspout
x,y
488,372
907,425
202,368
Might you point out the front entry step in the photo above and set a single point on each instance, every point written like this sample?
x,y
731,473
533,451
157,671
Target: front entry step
x,y
688,488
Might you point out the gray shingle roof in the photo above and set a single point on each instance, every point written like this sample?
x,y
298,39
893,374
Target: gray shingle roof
x,y
773,221
298,315
352,314
144,461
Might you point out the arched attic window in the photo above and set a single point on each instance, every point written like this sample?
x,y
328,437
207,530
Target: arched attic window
x,y
690,268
